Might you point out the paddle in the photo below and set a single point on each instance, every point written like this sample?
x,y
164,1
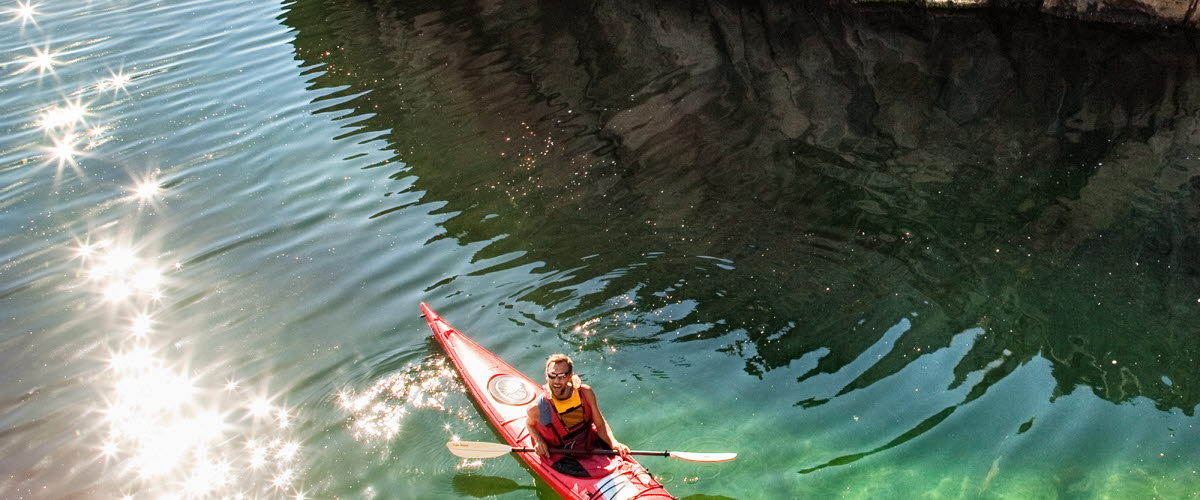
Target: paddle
x,y
475,449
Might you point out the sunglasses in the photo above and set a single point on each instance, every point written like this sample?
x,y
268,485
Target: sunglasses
x,y
557,376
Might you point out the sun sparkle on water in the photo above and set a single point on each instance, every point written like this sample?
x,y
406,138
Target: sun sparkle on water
x,y
116,82
65,116
170,433
167,432
258,456
42,60
24,12
146,190
287,451
86,249
109,449
260,407
64,150
141,325
282,479
378,412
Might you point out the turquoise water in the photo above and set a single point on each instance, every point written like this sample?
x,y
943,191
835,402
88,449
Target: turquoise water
x,y
878,253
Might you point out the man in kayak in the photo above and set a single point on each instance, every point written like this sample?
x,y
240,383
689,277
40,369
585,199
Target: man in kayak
x,y
568,417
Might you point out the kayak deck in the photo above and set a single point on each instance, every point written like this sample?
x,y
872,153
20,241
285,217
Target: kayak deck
x,y
504,394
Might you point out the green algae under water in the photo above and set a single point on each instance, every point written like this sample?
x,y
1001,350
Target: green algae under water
x,y
880,253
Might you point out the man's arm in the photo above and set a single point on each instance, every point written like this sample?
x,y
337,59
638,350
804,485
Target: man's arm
x,y
531,421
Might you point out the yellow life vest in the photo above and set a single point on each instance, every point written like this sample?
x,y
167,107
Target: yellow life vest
x,y
570,410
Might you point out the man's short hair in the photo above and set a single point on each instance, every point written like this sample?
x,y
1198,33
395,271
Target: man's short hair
x,y
560,358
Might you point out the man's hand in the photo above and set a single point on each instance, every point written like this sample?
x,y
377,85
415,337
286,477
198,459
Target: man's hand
x,y
620,448
539,447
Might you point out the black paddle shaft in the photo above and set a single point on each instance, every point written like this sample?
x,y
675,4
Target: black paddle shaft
x,y
561,451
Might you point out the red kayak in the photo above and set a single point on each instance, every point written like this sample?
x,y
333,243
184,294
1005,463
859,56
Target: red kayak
x,y
504,394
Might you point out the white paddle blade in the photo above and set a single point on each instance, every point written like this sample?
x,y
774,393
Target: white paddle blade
x,y
703,457
474,449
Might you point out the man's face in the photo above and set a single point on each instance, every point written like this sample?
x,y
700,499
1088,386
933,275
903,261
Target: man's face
x,y
559,376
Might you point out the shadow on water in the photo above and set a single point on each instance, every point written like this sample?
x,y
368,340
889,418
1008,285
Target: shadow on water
x,y
800,165
475,486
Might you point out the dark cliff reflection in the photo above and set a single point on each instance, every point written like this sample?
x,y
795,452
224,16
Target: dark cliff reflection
x,y
1034,177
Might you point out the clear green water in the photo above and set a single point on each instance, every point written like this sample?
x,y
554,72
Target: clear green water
x,y
879,254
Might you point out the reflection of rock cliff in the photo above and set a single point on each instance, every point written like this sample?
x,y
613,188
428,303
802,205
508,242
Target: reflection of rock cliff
x,y
1144,12
1033,176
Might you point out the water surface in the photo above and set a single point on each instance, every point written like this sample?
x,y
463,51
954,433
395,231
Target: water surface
x,y
879,253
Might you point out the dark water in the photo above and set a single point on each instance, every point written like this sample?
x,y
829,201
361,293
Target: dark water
x,y
877,252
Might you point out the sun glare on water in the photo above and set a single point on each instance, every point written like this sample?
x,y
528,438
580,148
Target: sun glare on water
x,y
66,127
146,190
64,116
64,150
169,424
167,434
378,412
171,433
43,60
24,12
117,82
